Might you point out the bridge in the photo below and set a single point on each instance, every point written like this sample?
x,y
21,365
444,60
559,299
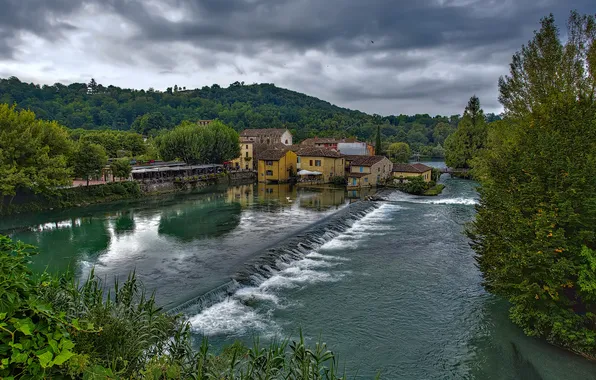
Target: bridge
x,y
454,171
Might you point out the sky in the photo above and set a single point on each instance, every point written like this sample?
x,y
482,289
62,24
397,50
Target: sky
x,y
377,56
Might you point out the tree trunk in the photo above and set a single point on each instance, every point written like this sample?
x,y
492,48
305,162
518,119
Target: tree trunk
x,y
87,181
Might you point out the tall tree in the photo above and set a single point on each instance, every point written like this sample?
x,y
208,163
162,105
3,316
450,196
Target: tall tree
x,y
534,231
33,153
399,152
469,139
378,147
88,160
120,168
191,143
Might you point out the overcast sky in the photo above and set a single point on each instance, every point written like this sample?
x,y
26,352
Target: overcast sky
x,y
378,56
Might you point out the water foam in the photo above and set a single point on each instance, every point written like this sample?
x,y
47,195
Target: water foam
x,y
406,198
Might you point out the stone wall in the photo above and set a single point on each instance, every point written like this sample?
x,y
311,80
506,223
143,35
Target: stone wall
x,y
232,178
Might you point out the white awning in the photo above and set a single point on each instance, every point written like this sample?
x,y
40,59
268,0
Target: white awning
x,y
308,172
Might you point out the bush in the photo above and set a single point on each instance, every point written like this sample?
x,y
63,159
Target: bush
x,y
413,185
52,327
339,180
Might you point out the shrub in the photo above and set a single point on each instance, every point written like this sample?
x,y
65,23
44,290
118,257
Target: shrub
x,y
339,180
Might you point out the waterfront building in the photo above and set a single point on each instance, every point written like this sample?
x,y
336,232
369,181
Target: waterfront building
x,y
368,171
277,165
401,172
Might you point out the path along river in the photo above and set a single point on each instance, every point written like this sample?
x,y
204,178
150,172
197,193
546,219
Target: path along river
x,y
390,286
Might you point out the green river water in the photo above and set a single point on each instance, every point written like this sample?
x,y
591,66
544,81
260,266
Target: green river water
x,y
391,286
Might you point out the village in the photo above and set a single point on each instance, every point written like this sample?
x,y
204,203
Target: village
x,y
269,156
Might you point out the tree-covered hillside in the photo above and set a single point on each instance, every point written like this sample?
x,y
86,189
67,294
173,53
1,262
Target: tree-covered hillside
x,y
94,106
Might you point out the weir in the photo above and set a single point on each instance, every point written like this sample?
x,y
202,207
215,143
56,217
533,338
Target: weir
x,y
269,261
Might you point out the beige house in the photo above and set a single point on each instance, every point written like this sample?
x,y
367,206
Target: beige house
x,y
246,160
320,160
368,171
269,136
401,172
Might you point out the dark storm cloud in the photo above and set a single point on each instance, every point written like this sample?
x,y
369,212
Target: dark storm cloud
x,y
384,50
47,18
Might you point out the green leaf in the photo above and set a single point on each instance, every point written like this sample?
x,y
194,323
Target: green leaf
x,y
63,357
54,345
2,316
45,359
25,326
66,344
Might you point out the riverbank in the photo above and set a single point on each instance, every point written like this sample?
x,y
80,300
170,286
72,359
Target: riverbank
x,y
82,196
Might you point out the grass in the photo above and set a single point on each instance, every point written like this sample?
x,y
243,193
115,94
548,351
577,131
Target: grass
x,y
435,190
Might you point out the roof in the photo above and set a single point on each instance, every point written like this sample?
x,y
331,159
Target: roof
x,y
313,151
411,168
263,132
326,140
367,160
273,154
357,175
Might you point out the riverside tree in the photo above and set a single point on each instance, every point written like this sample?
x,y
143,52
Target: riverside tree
x,y
191,143
120,168
88,160
33,154
534,232
469,138
399,152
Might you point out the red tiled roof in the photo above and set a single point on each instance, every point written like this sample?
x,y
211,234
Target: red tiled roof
x,y
326,140
367,160
263,132
411,168
313,151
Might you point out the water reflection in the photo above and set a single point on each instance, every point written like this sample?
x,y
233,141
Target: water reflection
x,y
180,245
202,220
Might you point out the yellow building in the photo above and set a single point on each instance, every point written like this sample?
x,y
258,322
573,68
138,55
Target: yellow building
x,y
276,165
246,159
369,171
329,163
401,172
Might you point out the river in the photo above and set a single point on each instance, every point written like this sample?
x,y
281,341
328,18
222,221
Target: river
x,y
391,286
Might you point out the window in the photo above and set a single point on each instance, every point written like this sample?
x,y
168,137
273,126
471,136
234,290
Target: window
x,y
247,147
361,169
298,159
269,172
379,169
269,190
317,162
268,140
310,162
246,154
366,180
269,163
286,142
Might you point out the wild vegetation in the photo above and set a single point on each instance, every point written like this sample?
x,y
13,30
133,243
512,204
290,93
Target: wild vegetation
x,y
56,328
534,232
93,106
468,139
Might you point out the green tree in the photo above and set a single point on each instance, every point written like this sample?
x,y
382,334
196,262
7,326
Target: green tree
x,y
399,152
378,146
88,160
191,143
33,154
469,138
121,168
150,124
441,131
534,231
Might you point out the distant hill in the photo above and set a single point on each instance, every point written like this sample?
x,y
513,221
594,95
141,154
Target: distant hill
x,y
94,106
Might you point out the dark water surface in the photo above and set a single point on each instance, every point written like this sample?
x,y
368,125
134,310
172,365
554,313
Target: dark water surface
x,y
390,286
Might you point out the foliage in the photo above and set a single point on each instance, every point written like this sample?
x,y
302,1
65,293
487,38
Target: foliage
x,y
88,160
35,339
191,143
113,141
435,174
339,180
413,185
56,328
378,145
534,232
240,106
469,138
399,152
121,168
33,153
434,190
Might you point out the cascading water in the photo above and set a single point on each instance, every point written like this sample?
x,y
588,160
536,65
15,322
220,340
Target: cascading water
x,y
271,261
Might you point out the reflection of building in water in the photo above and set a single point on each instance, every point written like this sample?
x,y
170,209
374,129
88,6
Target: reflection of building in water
x,y
323,198
244,194
284,193
360,193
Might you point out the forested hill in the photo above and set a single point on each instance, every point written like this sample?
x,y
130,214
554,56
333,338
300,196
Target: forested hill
x,y
95,106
